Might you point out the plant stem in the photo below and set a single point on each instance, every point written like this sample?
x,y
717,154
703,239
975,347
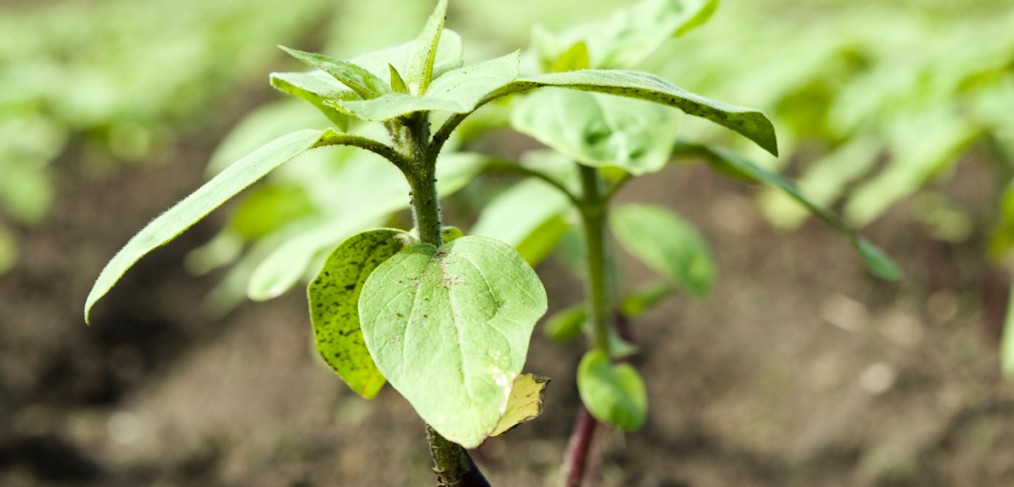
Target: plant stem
x,y
451,463
593,215
599,284
578,447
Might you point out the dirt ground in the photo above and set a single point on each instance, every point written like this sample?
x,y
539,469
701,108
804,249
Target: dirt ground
x,y
800,369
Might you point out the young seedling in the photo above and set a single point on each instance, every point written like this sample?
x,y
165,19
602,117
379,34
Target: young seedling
x,y
443,317
599,144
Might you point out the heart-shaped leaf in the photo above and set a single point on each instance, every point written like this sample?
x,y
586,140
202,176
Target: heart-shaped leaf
x,y
613,393
450,327
334,306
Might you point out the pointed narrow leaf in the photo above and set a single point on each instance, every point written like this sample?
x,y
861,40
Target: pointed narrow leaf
x,y
457,91
420,68
613,393
450,327
315,87
364,83
665,243
198,204
524,403
875,259
334,306
397,83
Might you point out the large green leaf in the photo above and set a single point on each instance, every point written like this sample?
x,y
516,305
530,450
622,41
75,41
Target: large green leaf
x,y
613,393
666,243
727,162
201,202
334,306
528,216
632,84
420,68
599,130
450,327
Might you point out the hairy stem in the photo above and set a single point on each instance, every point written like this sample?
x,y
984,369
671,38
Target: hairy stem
x,y
411,136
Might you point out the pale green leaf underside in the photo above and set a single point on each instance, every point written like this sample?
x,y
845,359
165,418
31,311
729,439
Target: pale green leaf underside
x,y
752,124
315,87
524,404
449,328
666,243
199,203
613,393
727,162
599,130
334,306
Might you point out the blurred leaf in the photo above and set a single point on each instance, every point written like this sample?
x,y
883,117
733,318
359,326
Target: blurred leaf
x,y
220,251
666,244
477,301
524,404
613,393
599,130
267,122
1001,241
630,35
8,250
921,147
267,208
334,306
823,181
644,298
1007,342
566,323
876,260
526,216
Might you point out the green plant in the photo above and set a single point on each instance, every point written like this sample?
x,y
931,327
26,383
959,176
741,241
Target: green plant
x,y
446,318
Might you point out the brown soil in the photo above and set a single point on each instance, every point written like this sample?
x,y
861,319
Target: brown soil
x,y
800,369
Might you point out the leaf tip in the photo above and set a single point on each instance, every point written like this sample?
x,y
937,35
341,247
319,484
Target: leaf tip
x,y
878,262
